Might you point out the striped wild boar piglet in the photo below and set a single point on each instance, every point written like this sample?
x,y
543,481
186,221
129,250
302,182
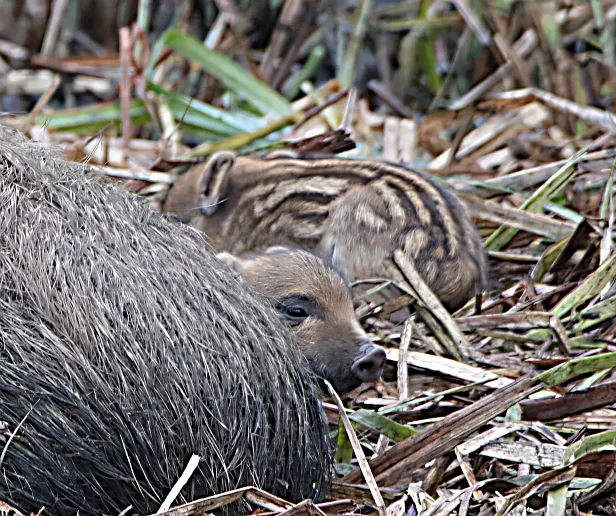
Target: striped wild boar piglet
x,y
353,213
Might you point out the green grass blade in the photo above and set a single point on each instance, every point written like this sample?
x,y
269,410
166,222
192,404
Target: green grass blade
x,y
206,116
232,75
535,204
563,372
90,119
383,425
589,444
344,449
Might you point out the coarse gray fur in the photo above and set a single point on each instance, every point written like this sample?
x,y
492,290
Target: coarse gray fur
x,y
125,348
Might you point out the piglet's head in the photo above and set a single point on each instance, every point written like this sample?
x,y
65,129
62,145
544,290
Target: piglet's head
x,y
315,301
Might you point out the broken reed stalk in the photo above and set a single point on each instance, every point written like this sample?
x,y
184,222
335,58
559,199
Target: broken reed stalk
x,y
364,466
458,340
444,436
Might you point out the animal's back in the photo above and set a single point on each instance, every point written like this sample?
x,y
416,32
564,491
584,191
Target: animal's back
x,y
125,348
353,212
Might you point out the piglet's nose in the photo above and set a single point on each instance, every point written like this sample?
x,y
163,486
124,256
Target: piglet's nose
x,y
368,367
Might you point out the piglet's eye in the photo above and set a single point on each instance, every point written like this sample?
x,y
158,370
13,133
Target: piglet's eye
x,y
296,308
295,313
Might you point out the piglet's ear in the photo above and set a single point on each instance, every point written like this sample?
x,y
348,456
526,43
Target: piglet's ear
x,y
277,249
212,185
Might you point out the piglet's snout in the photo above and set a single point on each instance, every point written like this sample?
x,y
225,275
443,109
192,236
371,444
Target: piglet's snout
x,y
368,366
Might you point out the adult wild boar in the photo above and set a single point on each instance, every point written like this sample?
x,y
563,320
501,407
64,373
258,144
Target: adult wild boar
x,y
125,348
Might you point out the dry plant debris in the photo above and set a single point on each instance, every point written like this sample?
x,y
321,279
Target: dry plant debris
x,y
507,406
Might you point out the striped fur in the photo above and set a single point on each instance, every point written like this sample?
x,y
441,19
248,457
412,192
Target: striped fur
x,y
354,213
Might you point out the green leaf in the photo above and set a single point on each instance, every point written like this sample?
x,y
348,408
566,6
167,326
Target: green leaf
x,y
589,288
242,140
383,425
563,372
344,449
206,116
557,501
92,118
592,315
229,73
589,444
535,204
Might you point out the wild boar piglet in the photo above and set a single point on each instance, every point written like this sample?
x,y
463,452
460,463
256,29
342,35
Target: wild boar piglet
x,y
316,302
353,213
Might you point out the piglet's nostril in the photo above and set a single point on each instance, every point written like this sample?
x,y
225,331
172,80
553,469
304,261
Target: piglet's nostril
x,y
369,366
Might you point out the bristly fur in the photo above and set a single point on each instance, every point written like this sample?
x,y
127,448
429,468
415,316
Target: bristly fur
x,y
125,348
